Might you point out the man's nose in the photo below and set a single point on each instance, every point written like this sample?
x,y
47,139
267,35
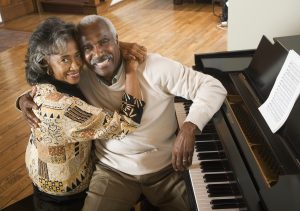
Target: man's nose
x,y
97,50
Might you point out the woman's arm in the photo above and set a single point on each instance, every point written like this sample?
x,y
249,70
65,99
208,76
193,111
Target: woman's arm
x,y
85,122
132,85
79,121
133,93
100,124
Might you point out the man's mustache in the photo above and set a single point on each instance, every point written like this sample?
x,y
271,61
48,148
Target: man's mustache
x,y
100,59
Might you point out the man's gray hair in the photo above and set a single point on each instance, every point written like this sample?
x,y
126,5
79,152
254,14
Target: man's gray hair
x,y
91,19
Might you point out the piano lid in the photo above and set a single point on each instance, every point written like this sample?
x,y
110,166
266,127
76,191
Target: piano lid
x,y
265,66
289,42
261,74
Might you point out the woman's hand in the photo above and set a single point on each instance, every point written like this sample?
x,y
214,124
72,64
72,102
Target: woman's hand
x,y
133,50
26,104
131,65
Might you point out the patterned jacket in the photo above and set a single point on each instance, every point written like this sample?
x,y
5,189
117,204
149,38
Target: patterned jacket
x,y
58,152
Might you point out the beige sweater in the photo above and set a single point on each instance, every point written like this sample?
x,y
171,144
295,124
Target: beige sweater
x,y
149,148
58,153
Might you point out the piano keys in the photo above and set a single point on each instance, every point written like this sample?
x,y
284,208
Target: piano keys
x,y
213,183
238,163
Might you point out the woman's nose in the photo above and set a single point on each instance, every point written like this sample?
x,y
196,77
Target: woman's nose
x,y
76,64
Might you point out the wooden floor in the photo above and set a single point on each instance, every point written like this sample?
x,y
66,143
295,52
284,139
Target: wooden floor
x,y
177,32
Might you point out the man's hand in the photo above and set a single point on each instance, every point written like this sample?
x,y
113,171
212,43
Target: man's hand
x,y
133,51
26,105
184,147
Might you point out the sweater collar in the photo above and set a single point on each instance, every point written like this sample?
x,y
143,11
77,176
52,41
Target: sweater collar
x,y
116,78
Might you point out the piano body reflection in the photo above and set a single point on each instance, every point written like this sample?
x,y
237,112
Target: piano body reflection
x,y
238,163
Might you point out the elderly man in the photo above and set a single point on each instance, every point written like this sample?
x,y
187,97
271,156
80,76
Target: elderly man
x,y
150,160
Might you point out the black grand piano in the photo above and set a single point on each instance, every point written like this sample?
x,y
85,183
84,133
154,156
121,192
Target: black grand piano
x,y
239,164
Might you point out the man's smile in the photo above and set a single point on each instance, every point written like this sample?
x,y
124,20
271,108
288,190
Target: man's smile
x,y
102,61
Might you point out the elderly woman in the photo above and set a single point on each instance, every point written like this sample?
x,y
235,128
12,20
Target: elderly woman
x,y
58,155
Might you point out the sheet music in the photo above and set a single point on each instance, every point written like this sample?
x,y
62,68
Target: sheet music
x,y
284,93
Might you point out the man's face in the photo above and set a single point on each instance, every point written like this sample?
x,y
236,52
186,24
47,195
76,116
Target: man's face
x,y
101,49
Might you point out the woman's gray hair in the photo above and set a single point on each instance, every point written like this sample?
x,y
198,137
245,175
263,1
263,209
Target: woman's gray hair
x,y
91,19
49,38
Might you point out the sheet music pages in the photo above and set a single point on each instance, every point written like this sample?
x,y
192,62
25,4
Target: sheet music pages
x,y
284,93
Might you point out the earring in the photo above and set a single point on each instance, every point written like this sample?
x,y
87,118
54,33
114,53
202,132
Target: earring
x,y
49,71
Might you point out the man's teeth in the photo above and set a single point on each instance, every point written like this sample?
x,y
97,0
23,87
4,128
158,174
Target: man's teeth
x,y
103,62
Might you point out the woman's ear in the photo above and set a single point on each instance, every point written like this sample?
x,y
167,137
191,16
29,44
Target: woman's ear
x,y
47,67
49,71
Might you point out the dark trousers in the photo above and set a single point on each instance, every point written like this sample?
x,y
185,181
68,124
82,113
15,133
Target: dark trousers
x,y
46,202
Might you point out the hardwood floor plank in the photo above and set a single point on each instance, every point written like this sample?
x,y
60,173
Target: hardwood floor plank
x,y
14,185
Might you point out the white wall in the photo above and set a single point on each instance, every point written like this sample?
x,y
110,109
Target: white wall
x,y
115,1
248,20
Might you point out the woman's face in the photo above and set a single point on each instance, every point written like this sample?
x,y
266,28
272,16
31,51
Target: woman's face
x,y
66,67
